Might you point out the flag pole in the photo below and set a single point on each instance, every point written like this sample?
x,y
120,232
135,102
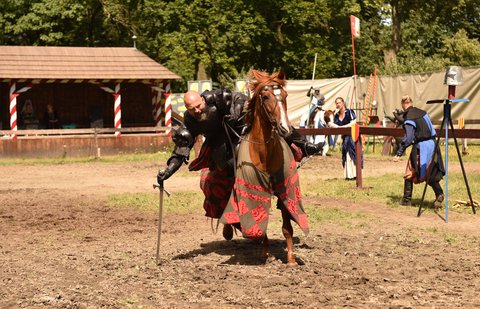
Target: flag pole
x,y
313,80
352,32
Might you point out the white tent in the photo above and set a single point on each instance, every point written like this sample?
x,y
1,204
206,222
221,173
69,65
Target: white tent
x,y
388,91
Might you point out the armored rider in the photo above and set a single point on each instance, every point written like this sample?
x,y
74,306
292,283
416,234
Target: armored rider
x,y
218,115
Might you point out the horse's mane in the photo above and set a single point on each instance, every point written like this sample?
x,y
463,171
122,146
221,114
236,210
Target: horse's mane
x,y
258,80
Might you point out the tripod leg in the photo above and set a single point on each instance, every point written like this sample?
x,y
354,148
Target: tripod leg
x,y
427,179
461,165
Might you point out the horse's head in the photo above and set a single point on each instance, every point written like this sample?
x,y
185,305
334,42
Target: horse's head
x,y
328,116
269,100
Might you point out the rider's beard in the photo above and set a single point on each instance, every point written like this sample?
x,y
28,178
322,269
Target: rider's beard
x,y
201,117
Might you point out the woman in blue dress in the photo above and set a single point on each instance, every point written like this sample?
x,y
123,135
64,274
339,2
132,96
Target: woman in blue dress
x,y
345,117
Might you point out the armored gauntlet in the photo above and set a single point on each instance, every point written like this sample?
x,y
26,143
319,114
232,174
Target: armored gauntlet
x,y
174,164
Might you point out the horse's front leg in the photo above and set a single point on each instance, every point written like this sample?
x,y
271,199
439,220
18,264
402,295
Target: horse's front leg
x,y
287,231
265,248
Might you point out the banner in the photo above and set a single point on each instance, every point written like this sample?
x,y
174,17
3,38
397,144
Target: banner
x,y
355,132
241,86
355,26
200,85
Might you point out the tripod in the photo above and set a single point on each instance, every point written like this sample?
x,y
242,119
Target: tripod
x,y
448,120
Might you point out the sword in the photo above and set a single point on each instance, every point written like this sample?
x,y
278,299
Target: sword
x,y
304,161
160,214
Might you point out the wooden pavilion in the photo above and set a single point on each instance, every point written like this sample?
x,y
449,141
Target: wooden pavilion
x,y
120,86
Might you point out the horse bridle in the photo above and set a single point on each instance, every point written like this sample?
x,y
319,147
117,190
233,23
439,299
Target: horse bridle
x,y
277,92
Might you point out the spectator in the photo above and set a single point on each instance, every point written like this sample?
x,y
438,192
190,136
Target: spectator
x,y
51,117
315,118
345,117
315,96
29,119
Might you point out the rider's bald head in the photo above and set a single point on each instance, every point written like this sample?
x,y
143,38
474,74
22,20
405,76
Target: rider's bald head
x,y
191,96
195,104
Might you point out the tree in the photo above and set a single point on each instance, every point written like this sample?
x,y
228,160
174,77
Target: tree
x,y
222,39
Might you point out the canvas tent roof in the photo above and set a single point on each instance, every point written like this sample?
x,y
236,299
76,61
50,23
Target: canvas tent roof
x,y
389,90
80,63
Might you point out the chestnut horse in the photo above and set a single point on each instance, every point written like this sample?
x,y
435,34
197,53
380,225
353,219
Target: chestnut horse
x,y
328,116
266,166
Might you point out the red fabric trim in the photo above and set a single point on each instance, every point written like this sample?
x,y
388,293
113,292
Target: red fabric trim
x,y
254,232
250,185
251,196
259,214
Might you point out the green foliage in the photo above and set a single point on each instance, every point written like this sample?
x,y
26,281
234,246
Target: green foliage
x,y
222,39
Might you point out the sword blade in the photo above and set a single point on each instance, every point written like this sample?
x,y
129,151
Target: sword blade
x,y
160,216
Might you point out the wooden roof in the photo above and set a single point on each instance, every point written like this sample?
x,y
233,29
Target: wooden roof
x,y
79,63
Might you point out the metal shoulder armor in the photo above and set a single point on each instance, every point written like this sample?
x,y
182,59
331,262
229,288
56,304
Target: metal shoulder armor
x,y
220,98
183,140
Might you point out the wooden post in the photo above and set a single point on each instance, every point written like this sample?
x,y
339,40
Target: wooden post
x,y
358,163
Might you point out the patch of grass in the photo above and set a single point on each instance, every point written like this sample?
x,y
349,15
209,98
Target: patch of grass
x,y
450,238
40,161
131,301
181,202
333,215
120,158
376,188
160,156
472,149
388,189
432,229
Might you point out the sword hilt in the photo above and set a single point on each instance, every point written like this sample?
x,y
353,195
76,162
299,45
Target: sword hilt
x,y
161,188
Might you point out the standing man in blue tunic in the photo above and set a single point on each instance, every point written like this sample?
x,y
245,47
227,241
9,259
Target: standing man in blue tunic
x,y
422,163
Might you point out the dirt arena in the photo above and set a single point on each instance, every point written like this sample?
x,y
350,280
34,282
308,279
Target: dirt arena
x,y
62,247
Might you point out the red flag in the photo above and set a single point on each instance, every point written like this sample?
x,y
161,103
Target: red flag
x,y
355,26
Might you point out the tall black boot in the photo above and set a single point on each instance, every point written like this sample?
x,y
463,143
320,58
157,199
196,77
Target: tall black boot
x,y
439,197
407,193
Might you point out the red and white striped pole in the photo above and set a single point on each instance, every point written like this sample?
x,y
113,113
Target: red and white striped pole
x,y
117,109
168,108
117,113
13,105
13,109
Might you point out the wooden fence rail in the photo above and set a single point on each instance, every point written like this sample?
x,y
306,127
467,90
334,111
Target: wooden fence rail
x,y
86,131
82,142
375,131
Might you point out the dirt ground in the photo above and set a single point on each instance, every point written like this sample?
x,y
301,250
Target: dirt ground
x,y
61,246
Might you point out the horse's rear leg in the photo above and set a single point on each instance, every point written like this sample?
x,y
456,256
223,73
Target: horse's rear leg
x,y
287,231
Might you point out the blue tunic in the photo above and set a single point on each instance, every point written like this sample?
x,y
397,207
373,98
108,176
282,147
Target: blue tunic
x,y
426,148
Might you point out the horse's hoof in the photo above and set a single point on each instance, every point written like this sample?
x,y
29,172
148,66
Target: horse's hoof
x,y
227,232
270,259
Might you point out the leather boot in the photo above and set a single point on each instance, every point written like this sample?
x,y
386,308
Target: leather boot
x,y
439,197
407,193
